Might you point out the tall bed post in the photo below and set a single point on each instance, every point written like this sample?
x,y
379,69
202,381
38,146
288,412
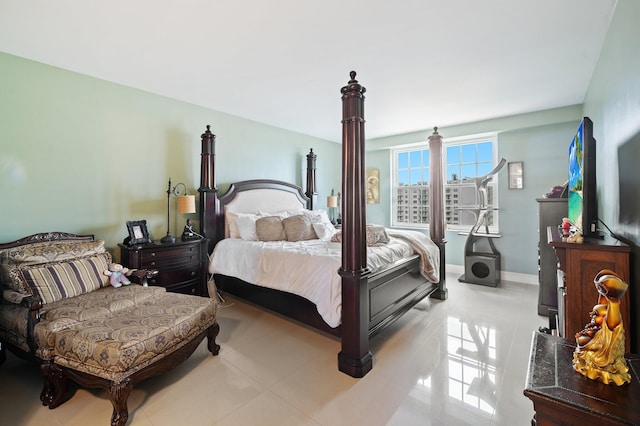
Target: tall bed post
x,y
355,359
209,204
311,193
436,208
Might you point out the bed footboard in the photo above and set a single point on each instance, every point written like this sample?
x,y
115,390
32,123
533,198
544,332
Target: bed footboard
x,y
391,293
394,291
289,305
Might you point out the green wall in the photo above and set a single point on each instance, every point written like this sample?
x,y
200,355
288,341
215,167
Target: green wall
x,y
83,155
540,140
613,103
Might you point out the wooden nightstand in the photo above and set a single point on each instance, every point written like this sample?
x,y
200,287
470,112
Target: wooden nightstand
x,y
182,266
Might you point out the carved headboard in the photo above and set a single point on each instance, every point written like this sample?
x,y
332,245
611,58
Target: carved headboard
x,y
264,195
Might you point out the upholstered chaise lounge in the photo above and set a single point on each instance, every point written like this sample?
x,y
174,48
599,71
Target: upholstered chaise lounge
x,y
59,310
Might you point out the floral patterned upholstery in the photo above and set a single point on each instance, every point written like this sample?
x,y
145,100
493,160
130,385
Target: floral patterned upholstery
x,y
13,325
122,343
15,259
66,313
50,251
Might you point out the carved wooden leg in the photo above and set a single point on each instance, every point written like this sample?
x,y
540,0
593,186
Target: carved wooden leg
x,y
54,388
47,386
212,332
119,394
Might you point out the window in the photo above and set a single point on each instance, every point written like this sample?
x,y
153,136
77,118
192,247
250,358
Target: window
x,y
463,159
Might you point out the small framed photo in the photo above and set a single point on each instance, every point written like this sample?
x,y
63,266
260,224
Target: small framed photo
x,y
516,175
138,233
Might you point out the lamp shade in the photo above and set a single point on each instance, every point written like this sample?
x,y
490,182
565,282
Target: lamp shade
x,y
186,204
332,201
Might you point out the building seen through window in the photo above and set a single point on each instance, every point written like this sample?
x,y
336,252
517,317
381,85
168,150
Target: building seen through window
x,y
462,159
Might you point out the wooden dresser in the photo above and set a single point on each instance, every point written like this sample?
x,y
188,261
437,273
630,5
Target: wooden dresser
x,y
578,264
550,213
562,396
182,266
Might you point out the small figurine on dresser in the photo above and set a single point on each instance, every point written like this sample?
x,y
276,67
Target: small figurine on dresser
x,y
189,234
599,354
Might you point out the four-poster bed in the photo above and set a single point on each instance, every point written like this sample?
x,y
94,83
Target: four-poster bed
x,y
369,299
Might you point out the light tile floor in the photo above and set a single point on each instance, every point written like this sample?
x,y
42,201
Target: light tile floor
x,y
461,361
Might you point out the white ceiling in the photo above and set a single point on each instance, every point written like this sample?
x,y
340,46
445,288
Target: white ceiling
x,y
283,62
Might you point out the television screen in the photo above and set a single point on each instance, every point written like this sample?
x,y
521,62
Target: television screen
x,y
583,207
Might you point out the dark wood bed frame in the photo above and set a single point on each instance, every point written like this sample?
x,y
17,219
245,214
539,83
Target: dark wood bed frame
x,y
370,301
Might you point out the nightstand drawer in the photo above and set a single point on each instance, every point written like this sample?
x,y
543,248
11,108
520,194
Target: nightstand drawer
x,y
165,256
181,266
169,262
168,277
187,287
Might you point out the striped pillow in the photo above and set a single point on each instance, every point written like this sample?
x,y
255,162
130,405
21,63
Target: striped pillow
x,y
15,258
61,280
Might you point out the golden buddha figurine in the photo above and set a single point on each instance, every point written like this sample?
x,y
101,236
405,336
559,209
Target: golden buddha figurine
x,y
599,354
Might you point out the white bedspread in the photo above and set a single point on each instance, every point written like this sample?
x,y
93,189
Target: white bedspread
x,y
306,268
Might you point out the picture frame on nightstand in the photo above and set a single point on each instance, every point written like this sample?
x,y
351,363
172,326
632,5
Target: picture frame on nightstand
x,y
138,232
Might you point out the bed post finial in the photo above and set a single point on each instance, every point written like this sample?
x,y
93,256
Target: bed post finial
x,y
352,87
209,204
311,192
207,172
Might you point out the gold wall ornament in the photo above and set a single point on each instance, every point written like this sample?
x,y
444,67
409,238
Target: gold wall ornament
x,y
373,186
599,353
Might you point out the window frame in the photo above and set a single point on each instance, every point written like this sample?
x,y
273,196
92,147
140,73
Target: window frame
x,y
423,146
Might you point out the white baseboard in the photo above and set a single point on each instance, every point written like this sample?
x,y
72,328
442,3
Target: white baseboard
x,y
504,275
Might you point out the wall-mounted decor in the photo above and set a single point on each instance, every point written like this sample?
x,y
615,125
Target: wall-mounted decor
x,y
373,186
516,175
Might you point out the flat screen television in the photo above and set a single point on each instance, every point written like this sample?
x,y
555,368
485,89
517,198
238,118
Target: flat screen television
x,y
583,204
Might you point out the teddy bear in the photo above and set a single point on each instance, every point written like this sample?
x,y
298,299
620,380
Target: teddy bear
x,y
117,274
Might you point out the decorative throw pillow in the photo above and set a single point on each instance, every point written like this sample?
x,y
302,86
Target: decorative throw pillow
x,y
15,281
299,228
45,252
376,235
49,251
61,280
270,228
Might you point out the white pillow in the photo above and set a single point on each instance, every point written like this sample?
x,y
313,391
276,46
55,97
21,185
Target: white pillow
x,y
246,224
324,231
231,219
317,216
